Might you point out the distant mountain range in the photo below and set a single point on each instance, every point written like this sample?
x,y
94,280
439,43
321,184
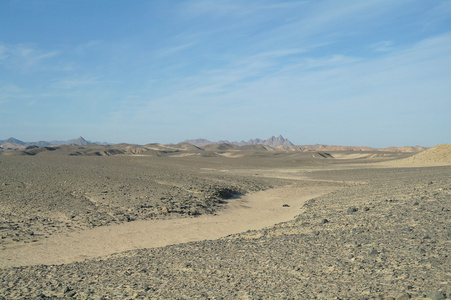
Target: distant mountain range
x,y
79,142
271,142
281,144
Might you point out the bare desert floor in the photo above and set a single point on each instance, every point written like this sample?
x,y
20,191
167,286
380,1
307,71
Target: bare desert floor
x,y
221,224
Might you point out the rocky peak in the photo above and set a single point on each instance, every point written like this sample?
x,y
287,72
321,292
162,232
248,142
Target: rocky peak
x,y
271,142
12,141
79,142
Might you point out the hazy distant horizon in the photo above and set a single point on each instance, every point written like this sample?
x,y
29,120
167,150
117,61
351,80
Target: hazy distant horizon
x,y
212,141
370,73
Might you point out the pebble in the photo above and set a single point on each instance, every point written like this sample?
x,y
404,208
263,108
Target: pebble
x,y
436,295
352,210
402,296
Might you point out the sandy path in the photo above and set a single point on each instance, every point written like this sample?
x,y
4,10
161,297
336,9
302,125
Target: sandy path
x,y
253,211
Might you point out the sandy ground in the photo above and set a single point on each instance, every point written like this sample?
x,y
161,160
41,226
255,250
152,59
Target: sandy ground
x,y
252,212
170,226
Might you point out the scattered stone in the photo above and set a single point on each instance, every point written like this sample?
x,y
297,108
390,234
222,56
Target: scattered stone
x,y
402,296
352,209
374,252
298,259
436,295
67,289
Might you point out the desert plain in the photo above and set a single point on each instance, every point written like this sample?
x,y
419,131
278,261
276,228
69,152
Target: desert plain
x,y
222,222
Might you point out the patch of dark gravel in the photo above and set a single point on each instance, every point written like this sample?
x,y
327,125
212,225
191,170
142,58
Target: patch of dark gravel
x,y
46,194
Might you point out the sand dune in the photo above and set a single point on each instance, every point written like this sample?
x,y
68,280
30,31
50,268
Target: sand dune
x,y
439,155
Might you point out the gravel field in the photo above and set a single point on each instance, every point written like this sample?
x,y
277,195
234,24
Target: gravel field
x,y
385,235
47,194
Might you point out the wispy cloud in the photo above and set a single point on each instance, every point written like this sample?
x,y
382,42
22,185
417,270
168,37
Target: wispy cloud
x,y
280,53
88,45
23,56
10,92
436,16
196,8
377,84
172,50
3,54
193,62
75,83
382,46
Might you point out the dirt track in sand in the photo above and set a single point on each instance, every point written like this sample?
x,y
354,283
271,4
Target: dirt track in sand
x,y
252,212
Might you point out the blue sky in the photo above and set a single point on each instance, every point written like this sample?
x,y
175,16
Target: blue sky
x,y
373,73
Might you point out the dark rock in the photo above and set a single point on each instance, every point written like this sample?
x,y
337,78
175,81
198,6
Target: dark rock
x,y
374,252
72,294
436,295
402,296
352,209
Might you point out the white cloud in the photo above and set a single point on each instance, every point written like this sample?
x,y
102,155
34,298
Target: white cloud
x,y
382,46
437,16
246,61
24,57
399,81
13,94
3,52
172,50
197,8
88,45
75,83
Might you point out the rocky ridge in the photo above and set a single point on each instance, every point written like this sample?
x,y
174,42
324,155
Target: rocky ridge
x,y
271,142
281,144
13,142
